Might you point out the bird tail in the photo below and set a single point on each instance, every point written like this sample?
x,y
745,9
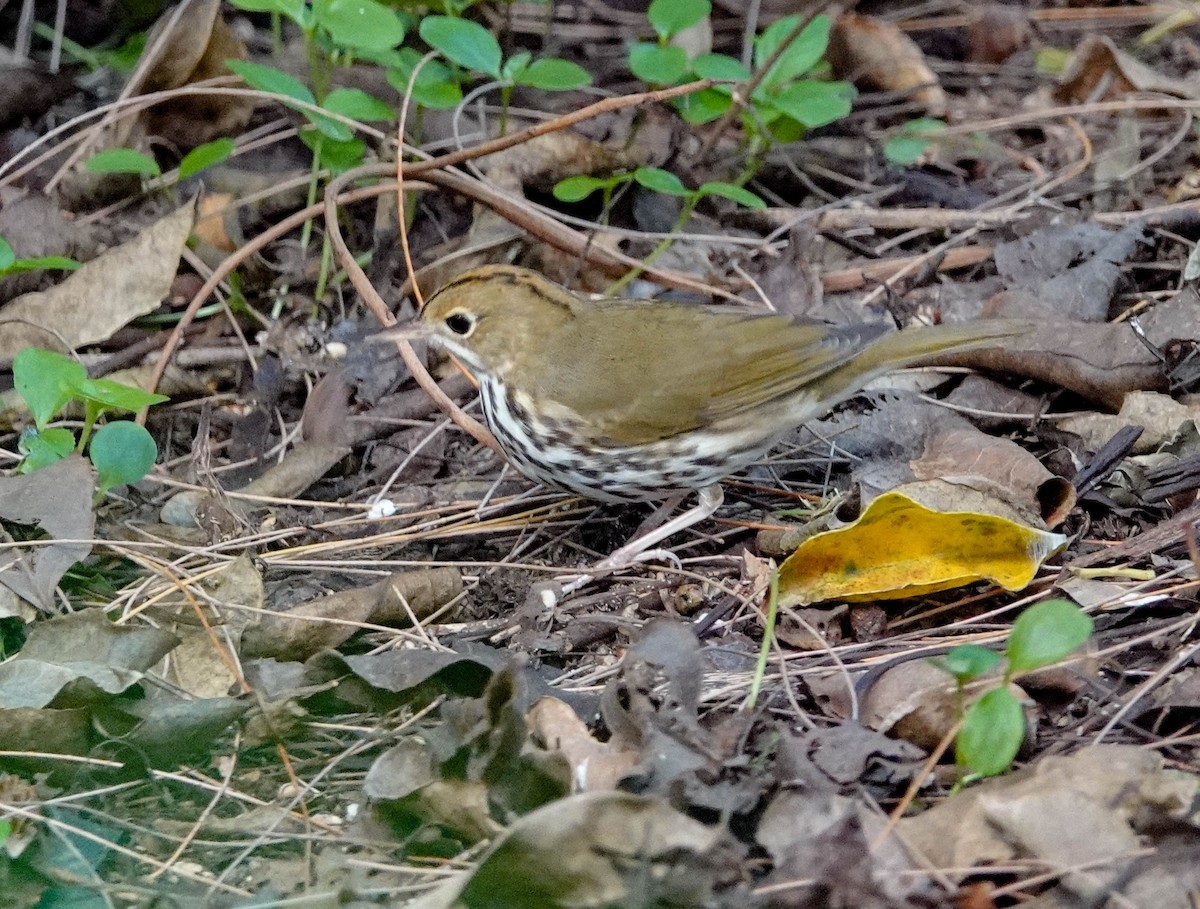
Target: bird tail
x,y
911,346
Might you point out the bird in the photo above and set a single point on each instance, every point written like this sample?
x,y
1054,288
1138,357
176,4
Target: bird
x,y
623,400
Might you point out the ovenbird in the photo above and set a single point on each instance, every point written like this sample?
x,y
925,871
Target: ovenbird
x,y
630,400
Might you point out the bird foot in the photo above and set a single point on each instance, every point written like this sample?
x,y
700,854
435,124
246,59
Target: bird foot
x,y
641,547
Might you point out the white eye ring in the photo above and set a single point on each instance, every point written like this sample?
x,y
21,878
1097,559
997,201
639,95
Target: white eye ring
x,y
460,323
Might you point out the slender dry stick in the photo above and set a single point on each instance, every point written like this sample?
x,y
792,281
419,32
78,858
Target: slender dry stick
x,y
374,302
608,105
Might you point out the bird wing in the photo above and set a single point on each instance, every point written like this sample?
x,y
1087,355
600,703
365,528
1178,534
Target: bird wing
x,y
641,372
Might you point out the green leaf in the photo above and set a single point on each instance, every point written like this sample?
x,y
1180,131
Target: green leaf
x,y
991,733
46,380
46,447
359,23
967,661
720,66
729,191
662,181
271,80
553,74
293,9
670,17
703,106
467,43
339,157
358,105
11,265
576,189
122,452
515,65
275,82
801,55
123,161
436,85
1046,633
913,140
205,155
815,103
112,395
658,64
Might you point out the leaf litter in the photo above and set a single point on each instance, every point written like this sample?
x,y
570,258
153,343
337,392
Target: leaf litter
x,y
320,651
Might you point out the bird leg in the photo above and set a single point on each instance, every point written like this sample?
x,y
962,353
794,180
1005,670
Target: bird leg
x,y
708,500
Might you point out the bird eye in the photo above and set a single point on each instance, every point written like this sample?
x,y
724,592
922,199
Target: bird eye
x,y
460,323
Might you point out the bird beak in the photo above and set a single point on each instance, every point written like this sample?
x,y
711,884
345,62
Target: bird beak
x,y
409,331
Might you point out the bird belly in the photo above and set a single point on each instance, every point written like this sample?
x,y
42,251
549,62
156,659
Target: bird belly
x,y
565,455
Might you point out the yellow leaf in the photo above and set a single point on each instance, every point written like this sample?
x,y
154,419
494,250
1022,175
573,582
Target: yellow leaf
x,y
899,548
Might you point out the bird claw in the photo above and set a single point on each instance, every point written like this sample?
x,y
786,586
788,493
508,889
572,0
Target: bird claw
x,y
571,583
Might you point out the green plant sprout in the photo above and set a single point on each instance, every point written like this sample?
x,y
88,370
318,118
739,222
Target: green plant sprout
x,y
131,161
121,451
123,59
11,265
578,188
123,161
785,103
472,47
993,726
334,30
913,140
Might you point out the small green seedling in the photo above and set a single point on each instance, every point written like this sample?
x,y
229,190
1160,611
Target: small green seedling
x,y
334,31
121,451
472,47
993,727
332,142
784,104
578,188
205,155
123,161
913,140
131,161
11,265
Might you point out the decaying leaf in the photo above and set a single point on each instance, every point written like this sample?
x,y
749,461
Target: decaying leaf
x,y
877,54
1101,71
58,500
901,548
328,621
102,295
594,764
77,686
595,849
1105,793
1160,416
966,451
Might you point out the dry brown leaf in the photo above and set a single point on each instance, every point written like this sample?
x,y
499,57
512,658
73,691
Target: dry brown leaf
x,y
328,621
1161,416
194,50
578,851
876,54
58,500
964,451
594,765
1101,71
996,32
197,665
102,295
1037,815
